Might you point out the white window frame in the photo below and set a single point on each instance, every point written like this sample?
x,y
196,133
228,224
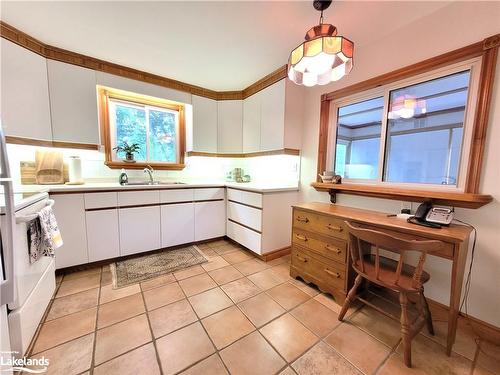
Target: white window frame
x,y
474,65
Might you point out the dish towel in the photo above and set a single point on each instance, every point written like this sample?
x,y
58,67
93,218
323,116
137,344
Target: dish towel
x,y
43,235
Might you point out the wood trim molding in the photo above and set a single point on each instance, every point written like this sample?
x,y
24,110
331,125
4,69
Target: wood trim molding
x,y
283,151
486,49
44,143
22,39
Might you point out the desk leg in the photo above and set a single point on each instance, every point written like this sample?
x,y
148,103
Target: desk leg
x,y
457,278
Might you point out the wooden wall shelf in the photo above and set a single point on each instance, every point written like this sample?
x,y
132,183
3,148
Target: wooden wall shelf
x,y
464,200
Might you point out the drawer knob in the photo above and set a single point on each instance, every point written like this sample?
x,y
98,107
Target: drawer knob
x,y
334,227
300,237
301,259
336,250
331,273
302,219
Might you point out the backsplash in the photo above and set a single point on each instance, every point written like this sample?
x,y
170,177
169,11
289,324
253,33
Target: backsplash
x,y
274,169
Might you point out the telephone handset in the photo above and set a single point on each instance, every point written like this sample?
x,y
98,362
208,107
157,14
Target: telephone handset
x,y
431,216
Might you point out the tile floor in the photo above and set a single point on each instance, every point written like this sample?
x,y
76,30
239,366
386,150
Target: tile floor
x,y
237,315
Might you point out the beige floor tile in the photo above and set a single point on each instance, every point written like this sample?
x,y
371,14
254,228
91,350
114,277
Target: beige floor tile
x,y
321,359
169,318
188,272
308,289
119,338
288,295
158,281
265,279
183,348
106,278
377,324
261,309
226,249
64,329
354,345
251,266
109,294
73,303
218,243
139,361
282,271
288,371
209,253
252,355
73,357
489,357
121,309
79,285
82,273
280,260
209,302
59,279
240,289
225,275
210,366
163,295
290,338
215,263
197,284
329,302
395,366
237,256
227,326
317,317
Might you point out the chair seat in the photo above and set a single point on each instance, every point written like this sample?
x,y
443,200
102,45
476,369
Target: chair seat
x,y
387,273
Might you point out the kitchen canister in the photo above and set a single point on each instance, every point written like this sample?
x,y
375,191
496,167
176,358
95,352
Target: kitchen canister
x,y
75,170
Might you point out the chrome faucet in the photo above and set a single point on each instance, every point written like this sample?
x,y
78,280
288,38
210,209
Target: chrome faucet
x,y
149,170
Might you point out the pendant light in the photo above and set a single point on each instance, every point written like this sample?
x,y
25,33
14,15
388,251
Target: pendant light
x,y
323,57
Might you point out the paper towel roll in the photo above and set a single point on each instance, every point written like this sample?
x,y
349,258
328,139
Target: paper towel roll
x,y
75,170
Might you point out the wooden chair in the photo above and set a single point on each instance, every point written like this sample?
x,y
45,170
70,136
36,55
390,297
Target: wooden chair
x,y
397,276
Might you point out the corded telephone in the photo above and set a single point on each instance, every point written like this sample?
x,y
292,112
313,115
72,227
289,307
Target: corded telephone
x,y
431,216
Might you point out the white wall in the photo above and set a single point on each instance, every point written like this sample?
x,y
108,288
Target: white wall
x,y
454,26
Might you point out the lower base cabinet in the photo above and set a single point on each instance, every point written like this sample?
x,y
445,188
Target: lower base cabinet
x,y
177,224
103,237
140,229
210,220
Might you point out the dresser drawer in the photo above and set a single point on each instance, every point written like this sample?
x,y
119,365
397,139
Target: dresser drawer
x,y
330,273
329,247
319,223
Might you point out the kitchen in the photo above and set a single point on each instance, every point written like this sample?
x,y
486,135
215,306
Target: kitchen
x,y
216,209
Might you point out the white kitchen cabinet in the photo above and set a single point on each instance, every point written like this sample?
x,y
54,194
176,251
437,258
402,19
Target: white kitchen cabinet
x,y
73,103
273,117
25,108
203,194
102,234
252,240
230,126
243,214
70,214
140,229
204,124
137,198
209,220
177,224
251,123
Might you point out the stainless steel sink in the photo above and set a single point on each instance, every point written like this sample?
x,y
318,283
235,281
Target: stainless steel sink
x,y
149,183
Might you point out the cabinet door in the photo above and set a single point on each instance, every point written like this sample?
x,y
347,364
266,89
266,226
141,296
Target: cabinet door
x,y
273,117
209,220
204,124
177,224
102,234
139,229
24,93
70,215
230,126
251,123
73,103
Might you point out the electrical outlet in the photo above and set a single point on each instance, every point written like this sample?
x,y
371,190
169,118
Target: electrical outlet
x,y
406,207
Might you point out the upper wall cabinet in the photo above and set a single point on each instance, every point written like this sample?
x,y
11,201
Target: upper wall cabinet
x,y
204,124
230,126
273,117
252,123
73,103
24,93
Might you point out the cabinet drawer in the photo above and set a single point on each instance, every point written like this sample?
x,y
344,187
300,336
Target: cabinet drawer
x,y
319,223
247,237
246,197
326,273
208,193
100,200
251,217
328,247
137,198
176,195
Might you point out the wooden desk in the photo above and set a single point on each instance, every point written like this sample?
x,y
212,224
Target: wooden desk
x,y
319,249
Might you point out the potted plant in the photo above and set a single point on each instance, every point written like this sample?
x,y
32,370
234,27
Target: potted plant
x,y
129,150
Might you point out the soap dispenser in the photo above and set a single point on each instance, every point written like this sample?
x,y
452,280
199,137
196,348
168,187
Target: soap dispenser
x,y
123,179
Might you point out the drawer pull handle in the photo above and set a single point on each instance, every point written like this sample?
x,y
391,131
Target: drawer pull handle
x,y
300,237
301,259
334,274
302,219
336,250
335,228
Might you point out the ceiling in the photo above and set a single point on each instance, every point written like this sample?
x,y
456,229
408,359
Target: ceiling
x,y
216,45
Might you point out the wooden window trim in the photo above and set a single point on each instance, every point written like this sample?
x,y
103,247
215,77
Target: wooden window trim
x,y
488,51
106,93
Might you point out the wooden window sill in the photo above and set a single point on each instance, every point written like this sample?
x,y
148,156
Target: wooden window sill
x,y
142,165
446,198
